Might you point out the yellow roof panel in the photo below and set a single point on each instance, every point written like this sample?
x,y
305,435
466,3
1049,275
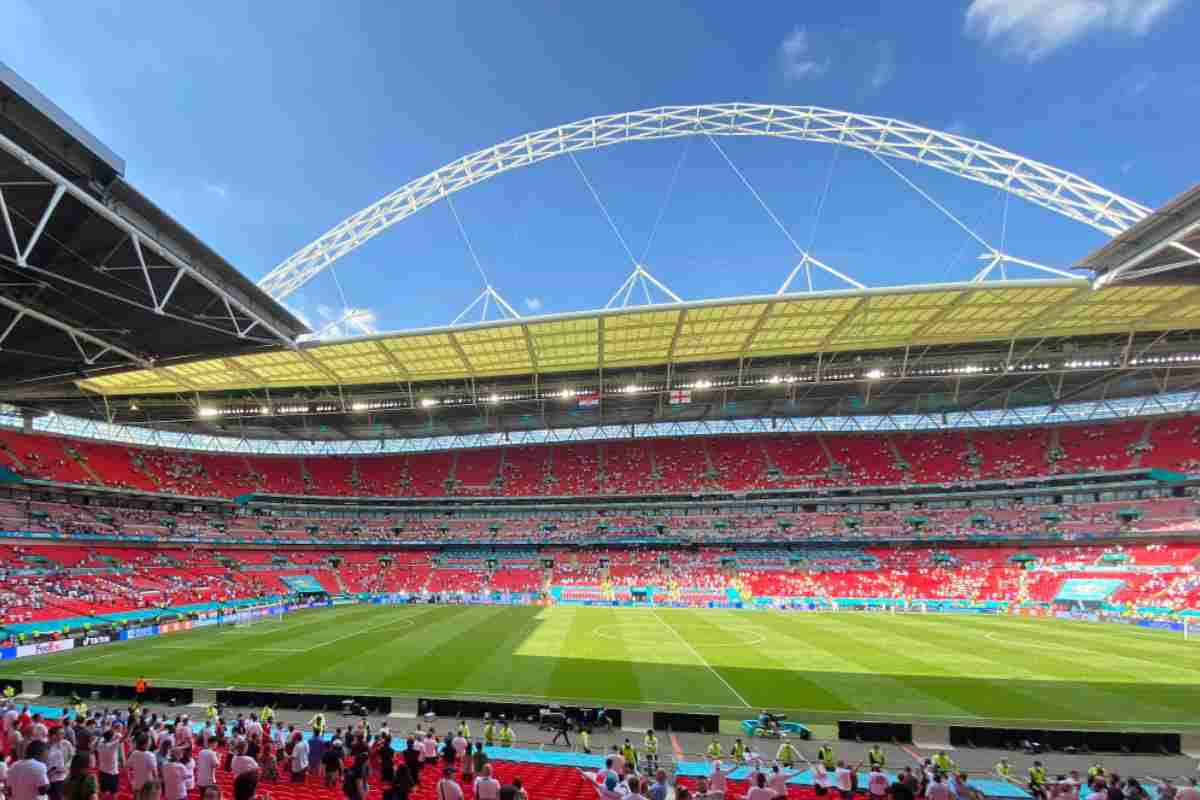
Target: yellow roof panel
x,y
716,330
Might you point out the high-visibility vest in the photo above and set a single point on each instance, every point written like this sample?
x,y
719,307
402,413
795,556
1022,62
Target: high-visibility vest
x,y
739,751
825,756
585,738
506,736
629,754
875,757
1003,769
489,733
1037,776
714,750
651,745
787,754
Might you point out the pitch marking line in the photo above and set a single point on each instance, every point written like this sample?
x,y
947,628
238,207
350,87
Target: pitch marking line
x,y
406,621
702,659
992,637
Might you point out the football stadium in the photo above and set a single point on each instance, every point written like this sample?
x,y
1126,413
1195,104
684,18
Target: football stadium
x,y
894,540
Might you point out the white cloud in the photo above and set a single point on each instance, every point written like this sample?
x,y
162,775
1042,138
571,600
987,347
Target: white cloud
x,y
217,190
885,65
1033,29
797,56
533,303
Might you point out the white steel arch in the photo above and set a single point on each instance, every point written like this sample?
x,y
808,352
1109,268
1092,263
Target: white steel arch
x,y
1052,188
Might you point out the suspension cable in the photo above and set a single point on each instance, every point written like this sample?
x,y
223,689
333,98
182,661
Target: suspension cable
x,y
604,210
687,140
467,239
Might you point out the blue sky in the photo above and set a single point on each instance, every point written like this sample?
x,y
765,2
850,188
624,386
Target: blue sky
x,y
261,125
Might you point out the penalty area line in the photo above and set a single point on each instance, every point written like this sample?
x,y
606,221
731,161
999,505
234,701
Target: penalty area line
x,y
696,653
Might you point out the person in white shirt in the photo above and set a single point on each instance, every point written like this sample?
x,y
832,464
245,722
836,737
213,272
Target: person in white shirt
x,y
240,763
143,766
937,790
253,727
430,747
38,730
778,782
487,787
618,761
108,754
821,775
174,776
759,790
299,759
845,781
716,778
183,732
460,746
877,783
207,762
447,788
59,753
27,779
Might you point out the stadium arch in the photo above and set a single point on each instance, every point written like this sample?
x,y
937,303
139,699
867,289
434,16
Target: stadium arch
x,y
1057,190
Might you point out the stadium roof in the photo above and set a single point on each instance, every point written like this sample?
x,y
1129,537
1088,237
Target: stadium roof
x,y
710,331
1163,247
93,276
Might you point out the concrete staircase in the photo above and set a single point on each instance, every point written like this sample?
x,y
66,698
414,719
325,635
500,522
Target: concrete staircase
x,y
897,457
830,461
975,459
74,454
1142,445
141,467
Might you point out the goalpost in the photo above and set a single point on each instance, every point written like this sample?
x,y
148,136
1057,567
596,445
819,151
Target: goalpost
x,y
244,618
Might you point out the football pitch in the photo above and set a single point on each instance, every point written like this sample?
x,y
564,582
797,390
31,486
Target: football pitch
x,y
817,667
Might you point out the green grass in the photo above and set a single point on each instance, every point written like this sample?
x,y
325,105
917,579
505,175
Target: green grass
x,y
817,667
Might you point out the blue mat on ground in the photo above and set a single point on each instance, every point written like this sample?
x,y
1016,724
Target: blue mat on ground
x,y
701,769
546,757
989,786
806,778
49,712
994,787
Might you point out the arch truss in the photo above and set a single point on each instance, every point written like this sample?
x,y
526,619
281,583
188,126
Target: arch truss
x,y
1054,189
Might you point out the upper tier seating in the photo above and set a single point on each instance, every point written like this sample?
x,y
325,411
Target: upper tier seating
x,y
647,466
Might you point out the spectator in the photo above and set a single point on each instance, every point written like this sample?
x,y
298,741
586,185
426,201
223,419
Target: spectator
x,y
27,779
354,781
487,787
447,788
174,776
759,790
143,771
80,783
299,758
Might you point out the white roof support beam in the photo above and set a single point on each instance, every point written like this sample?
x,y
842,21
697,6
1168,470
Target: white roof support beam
x,y
64,187
77,334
